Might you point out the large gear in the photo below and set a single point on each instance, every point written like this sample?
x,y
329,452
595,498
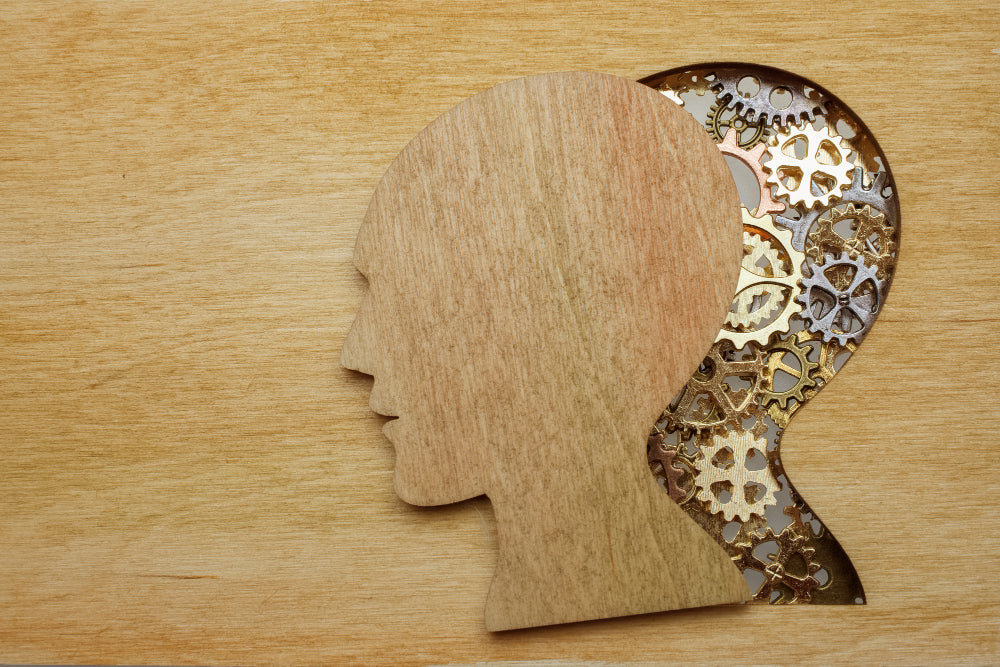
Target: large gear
x,y
721,120
777,352
857,194
751,318
806,103
751,158
745,496
778,575
843,303
708,401
873,237
821,174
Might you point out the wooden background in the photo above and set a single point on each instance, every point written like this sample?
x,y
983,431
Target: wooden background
x,y
188,476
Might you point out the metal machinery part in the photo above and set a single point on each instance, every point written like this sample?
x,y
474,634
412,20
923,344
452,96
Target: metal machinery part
x,y
820,246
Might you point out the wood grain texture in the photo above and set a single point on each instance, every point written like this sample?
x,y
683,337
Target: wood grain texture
x,y
188,475
547,262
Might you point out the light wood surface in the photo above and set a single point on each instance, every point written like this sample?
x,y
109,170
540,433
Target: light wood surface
x,y
547,263
190,477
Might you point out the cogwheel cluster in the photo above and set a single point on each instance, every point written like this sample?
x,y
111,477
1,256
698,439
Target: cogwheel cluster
x,y
820,242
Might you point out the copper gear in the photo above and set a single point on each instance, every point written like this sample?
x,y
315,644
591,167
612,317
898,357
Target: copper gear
x,y
751,158
825,161
867,223
672,466
740,444
780,283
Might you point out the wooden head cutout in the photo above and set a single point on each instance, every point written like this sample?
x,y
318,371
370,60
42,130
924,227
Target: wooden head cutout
x,y
547,263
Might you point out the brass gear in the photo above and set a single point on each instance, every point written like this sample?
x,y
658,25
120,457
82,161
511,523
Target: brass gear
x,y
776,353
737,446
791,543
823,371
708,401
824,167
779,281
722,120
868,223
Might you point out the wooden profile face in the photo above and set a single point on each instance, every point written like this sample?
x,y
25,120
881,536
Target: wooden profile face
x,y
547,262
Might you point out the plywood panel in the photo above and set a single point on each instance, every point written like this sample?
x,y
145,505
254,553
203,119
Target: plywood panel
x,y
188,475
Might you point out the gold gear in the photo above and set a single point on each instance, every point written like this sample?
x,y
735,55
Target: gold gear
x,y
776,353
791,546
778,280
867,223
707,401
738,446
824,166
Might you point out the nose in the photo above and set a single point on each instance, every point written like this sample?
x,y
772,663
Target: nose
x,y
355,355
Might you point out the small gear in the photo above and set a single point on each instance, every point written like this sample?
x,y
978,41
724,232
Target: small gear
x,y
857,194
708,401
724,462
873,237
806,103
776,352
750,317
839,294
673,85
829,352
675,467
722,120
778,575
823,172
751,158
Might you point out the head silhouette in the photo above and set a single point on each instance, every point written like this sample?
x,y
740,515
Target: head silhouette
x,y
547,263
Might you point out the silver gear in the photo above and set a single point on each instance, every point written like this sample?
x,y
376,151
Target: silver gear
x,y
857,194
759,107
830,322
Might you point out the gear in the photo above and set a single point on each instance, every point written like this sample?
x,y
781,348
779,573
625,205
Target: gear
x,y
776,352
829,352
745,496
675,467
672,96
867,224
778,280
708,401
791,547
731,146
857,194
838,294
822,371
822,173
721,120
673,85
806,102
